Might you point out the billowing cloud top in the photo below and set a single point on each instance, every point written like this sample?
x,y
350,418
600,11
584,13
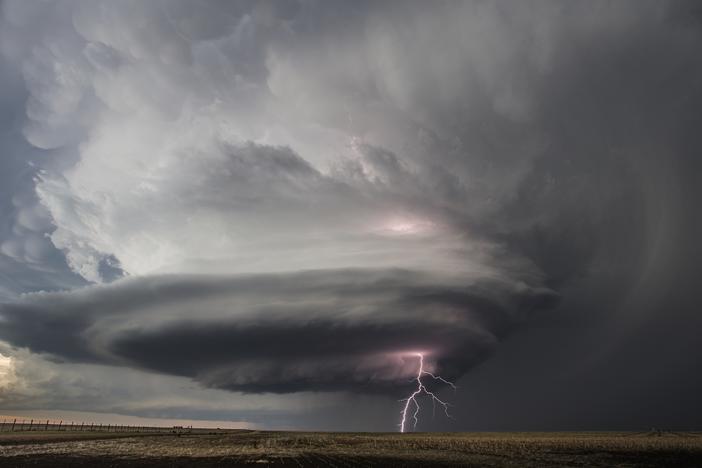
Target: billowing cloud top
x,y
234,146
290,196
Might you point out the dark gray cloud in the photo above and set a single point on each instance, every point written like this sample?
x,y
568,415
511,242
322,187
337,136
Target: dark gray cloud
x,y
349,330
447,168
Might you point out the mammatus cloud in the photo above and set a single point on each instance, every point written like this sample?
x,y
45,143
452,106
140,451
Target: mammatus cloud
x,y
194,154
286,196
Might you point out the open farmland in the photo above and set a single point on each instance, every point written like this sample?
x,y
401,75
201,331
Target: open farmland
x,y
298,449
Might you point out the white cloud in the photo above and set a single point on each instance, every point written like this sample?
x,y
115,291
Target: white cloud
x,y
166,181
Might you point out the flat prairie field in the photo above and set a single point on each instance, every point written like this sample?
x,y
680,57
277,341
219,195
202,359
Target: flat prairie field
x,y
204,448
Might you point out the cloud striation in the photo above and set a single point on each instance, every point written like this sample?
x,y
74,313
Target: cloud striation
x,y
279,197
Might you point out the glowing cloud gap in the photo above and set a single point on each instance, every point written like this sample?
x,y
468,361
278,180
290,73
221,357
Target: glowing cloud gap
x,y
422,389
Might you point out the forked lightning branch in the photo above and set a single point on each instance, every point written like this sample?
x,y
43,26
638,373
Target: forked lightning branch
x,y
422,390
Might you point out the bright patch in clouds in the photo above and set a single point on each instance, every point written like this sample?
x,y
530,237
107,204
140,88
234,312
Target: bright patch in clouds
x,y
7,376
410,226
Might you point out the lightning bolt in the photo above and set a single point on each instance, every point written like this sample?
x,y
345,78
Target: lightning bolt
x,y
421,389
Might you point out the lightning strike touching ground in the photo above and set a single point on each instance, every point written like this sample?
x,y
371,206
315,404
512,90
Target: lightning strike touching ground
x,y
421,389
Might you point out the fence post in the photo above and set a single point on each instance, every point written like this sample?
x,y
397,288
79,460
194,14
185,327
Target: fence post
x,y
13,424
60,422
46,427
31,422
81,426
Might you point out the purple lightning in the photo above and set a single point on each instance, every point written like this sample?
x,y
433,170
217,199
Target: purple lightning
x,y
422,389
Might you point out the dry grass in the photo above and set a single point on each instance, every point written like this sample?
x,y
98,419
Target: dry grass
x,y
237,448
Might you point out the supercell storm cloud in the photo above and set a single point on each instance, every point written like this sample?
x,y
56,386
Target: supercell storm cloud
x,y
321,330
274,198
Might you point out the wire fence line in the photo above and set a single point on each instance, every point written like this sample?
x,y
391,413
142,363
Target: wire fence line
x,y
18,425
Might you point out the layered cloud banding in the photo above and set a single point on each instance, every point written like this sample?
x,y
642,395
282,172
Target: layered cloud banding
x,y
280,197
350,330
193,157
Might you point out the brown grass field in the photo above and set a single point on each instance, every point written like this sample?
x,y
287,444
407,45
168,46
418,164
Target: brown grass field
x,y
205,448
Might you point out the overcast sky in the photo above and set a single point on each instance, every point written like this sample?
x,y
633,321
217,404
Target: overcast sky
x,y
261,211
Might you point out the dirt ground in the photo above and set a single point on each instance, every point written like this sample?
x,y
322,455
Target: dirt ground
x,y
300,449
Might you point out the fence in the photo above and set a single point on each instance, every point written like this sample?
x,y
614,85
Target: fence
x,y
16,425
